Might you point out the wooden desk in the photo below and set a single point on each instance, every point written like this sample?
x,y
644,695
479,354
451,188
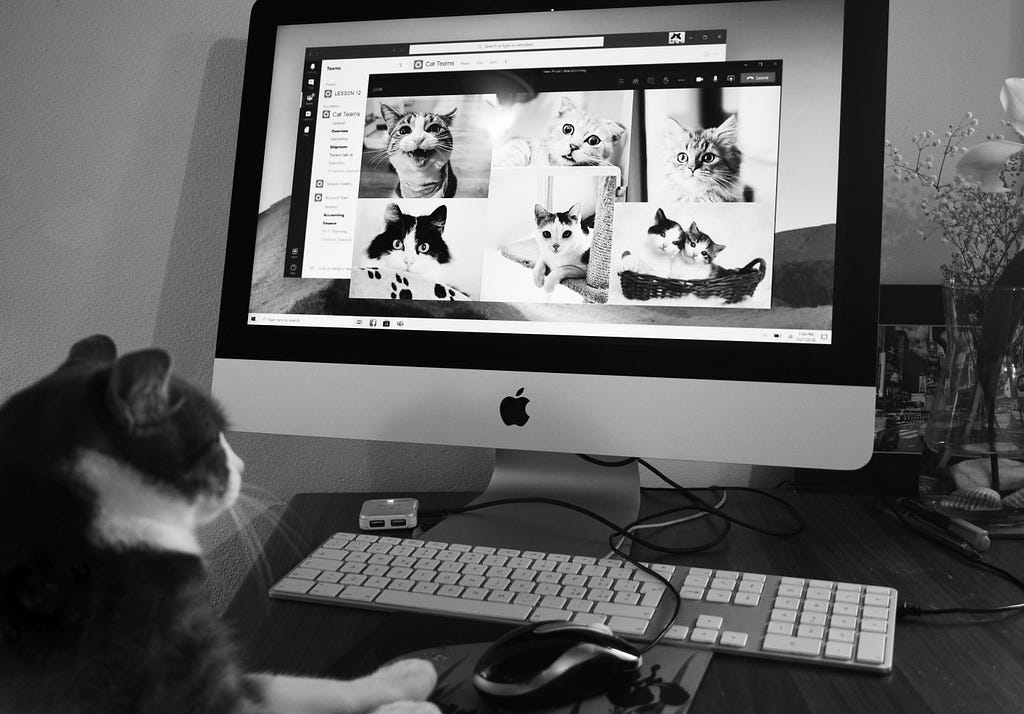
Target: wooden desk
x,y
942,664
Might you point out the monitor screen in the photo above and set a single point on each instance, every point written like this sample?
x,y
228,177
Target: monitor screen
x,y
599,227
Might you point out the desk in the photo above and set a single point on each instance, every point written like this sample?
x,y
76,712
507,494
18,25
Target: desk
x,y
941,664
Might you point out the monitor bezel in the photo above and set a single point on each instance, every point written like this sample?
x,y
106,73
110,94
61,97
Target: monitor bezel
x,y
849,359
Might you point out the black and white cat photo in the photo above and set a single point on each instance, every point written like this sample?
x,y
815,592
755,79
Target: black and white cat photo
x,y
411,244
108,466
426,147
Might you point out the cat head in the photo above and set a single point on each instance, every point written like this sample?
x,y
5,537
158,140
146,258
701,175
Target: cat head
x,y
575,138
697,246
413,244
118,452
418,139
665,235
705,163
558,232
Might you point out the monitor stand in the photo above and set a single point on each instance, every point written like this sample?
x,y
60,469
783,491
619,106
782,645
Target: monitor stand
x,y
613,492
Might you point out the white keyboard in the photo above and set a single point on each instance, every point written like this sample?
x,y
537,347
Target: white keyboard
x,y
817,621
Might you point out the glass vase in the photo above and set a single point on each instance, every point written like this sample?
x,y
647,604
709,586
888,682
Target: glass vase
x,y
974,437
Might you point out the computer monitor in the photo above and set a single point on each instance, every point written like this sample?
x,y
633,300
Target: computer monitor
x,y
706,170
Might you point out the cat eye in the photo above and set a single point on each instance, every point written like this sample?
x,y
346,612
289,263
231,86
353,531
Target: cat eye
x,y
546,234
568,128
708,158
405,129
423,247
593,140
397,243
434,128
566,234
682,158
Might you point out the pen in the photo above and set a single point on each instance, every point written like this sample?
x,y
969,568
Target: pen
x,y
941,537
971,534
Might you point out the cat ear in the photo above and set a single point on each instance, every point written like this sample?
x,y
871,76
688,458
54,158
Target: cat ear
x,y
567,105
659,216
96,348
139,391
574,212
392,214
449,117
693,227
674,131
390,116
615,129
439,216
726,131
541,214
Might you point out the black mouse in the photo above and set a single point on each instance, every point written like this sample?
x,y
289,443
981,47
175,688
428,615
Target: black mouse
x,y
552,663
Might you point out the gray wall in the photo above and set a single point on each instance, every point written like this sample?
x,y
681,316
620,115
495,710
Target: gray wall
x,y
117,132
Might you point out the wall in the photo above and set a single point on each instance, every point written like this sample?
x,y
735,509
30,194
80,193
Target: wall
x,y
117,132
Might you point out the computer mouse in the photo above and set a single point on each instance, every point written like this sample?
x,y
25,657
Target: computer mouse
x,y
552,663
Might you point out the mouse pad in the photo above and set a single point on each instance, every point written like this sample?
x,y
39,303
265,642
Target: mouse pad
x,y
667,682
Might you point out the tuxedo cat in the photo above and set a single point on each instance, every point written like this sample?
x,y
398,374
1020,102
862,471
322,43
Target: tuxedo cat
x,y
573,138
107,466
658,250
412,244
696,257
419,147
702,165
563,246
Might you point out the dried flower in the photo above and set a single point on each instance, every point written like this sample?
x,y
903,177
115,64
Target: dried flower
x,y
980,209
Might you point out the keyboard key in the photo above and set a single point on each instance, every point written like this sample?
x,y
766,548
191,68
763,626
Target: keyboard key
x,y
678,633
292,585
780,628
627,625
733,639
792,645
838,650
544,614
748,599
633,611
357,593
438,603
305,573
704,636
871,648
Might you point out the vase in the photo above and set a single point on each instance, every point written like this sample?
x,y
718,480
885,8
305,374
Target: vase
x,y
974,437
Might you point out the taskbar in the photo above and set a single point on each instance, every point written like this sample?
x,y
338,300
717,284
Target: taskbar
x,y
573,329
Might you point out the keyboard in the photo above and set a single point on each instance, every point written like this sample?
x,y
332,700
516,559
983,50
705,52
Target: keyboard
x,y
823,622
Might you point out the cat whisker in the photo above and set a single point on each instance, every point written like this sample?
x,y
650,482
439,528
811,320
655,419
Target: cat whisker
x,y
250,543
292,538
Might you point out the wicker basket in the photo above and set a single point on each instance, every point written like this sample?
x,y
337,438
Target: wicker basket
x,y
735,285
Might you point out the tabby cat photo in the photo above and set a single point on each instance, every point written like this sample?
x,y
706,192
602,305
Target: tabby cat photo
x,y
108,465
426,147
702,165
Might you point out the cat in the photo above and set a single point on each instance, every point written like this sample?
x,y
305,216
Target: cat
x,y
573,138
419,147
696,257
703,165
107,465
412,244
658,250
563,246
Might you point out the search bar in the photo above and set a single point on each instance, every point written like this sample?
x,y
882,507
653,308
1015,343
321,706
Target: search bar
x,y
545,43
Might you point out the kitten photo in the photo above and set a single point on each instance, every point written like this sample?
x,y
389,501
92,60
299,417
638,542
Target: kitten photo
x,y
696,257
563,247
572,138
659,249
702,165
412,244
107,467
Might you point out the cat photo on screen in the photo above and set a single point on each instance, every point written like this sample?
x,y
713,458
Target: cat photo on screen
x,y
712,144
426,147
107,467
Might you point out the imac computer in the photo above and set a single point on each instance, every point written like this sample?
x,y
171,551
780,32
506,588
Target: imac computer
x,y
559,228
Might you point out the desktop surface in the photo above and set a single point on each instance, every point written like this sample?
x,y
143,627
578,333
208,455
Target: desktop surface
x,y
951,663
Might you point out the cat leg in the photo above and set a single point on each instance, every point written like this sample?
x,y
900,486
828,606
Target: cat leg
x,y
557,275
539,271
411,679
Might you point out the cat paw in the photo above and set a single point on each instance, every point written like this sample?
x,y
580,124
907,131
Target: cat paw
x,y
407,679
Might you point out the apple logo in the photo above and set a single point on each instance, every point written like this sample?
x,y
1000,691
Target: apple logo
x,y
513,409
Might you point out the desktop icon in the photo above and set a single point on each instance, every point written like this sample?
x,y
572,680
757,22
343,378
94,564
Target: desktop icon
x,y
513,409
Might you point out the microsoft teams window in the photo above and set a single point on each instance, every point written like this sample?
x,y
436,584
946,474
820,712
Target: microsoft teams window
x,y
635,184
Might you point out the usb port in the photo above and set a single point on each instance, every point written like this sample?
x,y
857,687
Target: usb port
x,y
376,524
397,522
